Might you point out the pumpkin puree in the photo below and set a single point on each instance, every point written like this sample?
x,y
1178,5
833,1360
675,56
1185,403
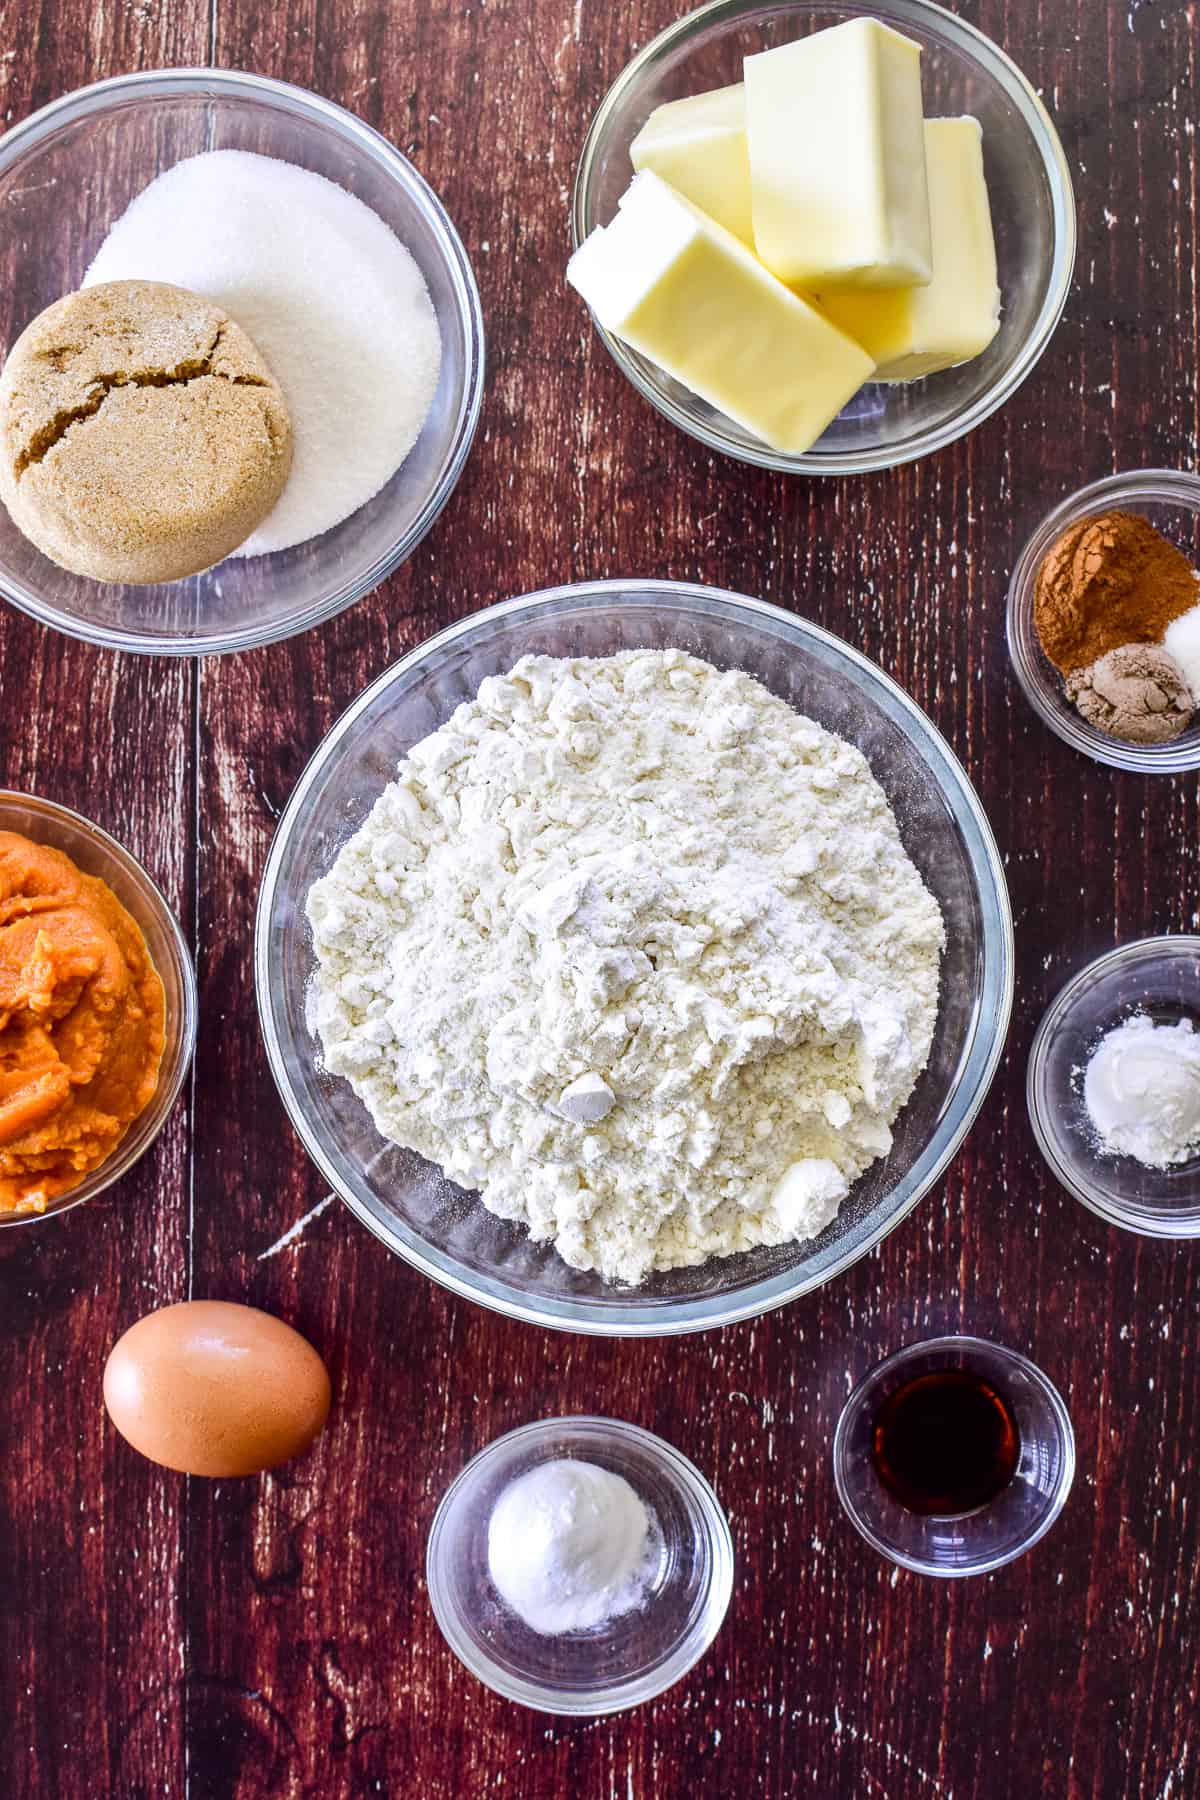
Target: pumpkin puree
x,y
81,1023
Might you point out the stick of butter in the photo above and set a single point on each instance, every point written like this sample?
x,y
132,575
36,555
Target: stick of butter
x,y
699,146
837,158
914,331
671,283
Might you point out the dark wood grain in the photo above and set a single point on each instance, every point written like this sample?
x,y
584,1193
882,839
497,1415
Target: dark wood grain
x,y
160,1636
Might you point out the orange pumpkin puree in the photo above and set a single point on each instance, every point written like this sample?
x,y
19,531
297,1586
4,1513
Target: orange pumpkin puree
x,y
81,1023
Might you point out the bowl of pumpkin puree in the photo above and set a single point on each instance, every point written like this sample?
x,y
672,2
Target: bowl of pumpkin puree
x,y
97,1009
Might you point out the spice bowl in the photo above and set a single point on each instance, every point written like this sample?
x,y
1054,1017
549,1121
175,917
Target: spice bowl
x,y
1029,185
67,173
1022,1512
1157,976
1170,500
96,853
636,1655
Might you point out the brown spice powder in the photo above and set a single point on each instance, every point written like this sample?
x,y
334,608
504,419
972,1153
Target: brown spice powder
x,y
1109,581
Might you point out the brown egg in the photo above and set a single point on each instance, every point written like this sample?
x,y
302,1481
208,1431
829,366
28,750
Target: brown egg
x,y
216,1389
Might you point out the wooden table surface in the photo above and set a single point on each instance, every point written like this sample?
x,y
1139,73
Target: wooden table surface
x,y
165,1636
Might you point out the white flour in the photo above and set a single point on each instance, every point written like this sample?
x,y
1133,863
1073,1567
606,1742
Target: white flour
x,y
635,950
329,294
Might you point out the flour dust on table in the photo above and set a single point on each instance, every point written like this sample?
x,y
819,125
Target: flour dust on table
x,y
635,950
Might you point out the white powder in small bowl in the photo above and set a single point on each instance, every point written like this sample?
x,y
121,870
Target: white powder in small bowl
x,y
570,1546
1142,1091
330,295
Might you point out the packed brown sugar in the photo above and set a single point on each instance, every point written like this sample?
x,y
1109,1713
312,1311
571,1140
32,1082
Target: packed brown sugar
x,y
81,1023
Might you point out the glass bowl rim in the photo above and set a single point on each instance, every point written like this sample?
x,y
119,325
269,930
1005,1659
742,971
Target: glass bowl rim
x,y
125,1156
1019,90
1170,487
639,1318
236,84
907,1353
1127,1214
621,1695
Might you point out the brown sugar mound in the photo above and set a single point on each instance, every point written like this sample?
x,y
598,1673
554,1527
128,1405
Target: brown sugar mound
x,y
1109,581
142,435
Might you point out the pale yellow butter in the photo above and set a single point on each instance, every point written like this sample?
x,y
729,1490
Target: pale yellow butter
x,y
837,158
676,286
916,331
699,146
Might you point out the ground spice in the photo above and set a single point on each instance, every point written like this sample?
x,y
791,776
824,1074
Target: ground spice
x,y
1109,581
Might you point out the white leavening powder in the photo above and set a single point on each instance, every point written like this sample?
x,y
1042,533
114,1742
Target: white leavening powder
x,y
570,1546
1182,641
329,294
634,949
1142,1091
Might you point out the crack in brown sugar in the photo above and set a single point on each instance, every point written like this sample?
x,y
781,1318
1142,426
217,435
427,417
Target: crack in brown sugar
x,y
190,369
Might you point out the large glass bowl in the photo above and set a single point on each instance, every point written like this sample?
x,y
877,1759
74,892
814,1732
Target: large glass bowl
x,y
448,1233
1029,185
93,851
67,174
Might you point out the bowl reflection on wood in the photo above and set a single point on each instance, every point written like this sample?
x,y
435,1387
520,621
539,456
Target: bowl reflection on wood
x,y
447,1232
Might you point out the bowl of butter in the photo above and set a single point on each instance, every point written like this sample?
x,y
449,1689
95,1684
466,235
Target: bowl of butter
x,y
823,239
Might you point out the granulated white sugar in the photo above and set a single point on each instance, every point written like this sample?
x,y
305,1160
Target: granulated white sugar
x,y
330,295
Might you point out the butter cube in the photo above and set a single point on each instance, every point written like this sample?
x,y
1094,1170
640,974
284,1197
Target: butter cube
x,y
837,158
699,146
674,285
914,331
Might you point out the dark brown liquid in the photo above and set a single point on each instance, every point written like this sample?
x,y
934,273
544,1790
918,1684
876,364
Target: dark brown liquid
x,y
945,1443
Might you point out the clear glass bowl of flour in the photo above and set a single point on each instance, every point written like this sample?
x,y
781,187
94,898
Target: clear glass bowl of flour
x,y
1158,977
67,174
446,1231
626,1660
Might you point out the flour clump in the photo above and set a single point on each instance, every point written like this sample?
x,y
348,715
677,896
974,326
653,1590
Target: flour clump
x,y
635,950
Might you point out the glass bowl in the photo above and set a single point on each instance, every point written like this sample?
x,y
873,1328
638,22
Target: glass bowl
x,y
1033,216
635,1656
1158,976
969,1543
101,146
98,854
447,1232
1170,499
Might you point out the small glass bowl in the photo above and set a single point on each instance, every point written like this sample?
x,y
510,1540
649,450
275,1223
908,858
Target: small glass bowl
x,y
1170,499
971,1543
1159,976
96,853
102,146
1029,185
635,1656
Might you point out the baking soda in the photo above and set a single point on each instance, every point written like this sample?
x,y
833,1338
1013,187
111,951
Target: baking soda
x,y
570,1546
329,294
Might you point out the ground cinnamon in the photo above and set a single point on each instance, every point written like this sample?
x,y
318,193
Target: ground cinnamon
x,y
1108,581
